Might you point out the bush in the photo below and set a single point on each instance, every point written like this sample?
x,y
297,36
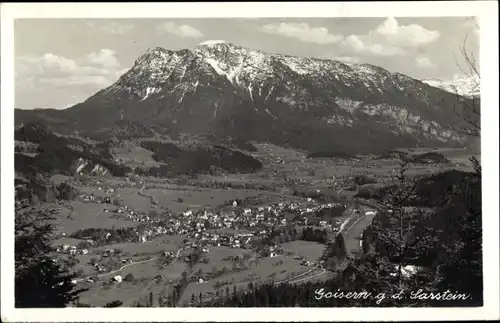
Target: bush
x,y
129,278
363,179
365,192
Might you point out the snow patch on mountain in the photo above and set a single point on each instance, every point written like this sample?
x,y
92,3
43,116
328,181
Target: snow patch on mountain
x,y
213,42
463,85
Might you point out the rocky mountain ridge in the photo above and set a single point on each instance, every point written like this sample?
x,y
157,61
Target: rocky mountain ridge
x,y
230,90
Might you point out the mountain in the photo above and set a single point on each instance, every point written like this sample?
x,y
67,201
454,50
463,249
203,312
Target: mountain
x,y
464,86
228,90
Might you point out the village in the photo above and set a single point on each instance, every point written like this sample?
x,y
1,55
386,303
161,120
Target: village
x,y
234,226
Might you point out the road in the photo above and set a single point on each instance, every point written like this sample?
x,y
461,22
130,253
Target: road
x,y
294,280
127,265
352,234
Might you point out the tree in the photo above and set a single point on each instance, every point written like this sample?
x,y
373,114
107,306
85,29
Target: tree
x,y
116,202
129,277
465,242
401,232
469,110
40,281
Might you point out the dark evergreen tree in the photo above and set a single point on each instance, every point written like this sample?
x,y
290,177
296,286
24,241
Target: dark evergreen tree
x,y
40,281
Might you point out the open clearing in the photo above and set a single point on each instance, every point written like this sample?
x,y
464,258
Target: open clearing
x,y
267,269
203,198
132,199
312,251
217,257
88,215
153,247
127,292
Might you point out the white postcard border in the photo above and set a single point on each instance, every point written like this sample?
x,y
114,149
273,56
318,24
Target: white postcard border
x,y
488,19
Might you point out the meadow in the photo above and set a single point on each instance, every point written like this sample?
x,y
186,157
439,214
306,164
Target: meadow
x,y
311,251
87,215
267,269
197,199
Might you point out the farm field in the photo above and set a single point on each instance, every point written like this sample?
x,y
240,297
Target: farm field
x,y
127,292
132,199
311,251
87,215
217,257
153,247
276,268
203,198
134,155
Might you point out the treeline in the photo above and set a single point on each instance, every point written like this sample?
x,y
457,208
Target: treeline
x,y
316,235
196,160
290,233
57,154
36,190
100,235
420,158
330,154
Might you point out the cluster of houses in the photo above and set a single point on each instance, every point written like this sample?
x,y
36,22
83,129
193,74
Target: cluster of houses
x,y
85,198
72,250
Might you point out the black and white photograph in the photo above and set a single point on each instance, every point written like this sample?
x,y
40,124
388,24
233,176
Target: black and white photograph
x,y
266,161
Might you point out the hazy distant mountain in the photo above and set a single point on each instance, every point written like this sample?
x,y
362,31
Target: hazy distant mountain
x,y
229,90
464,86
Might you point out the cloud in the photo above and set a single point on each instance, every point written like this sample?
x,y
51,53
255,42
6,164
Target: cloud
x,y
390,38
361,44
109,27
105,58
183,31
303,32
409,36
94,69
424,62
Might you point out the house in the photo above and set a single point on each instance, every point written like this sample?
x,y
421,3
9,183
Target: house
x,y
273,254
84,251
118,279
406,271
306,263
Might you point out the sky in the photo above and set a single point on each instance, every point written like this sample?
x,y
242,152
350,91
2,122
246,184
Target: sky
x,y
61,62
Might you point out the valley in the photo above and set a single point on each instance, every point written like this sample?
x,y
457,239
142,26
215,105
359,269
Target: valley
x,y
215,232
